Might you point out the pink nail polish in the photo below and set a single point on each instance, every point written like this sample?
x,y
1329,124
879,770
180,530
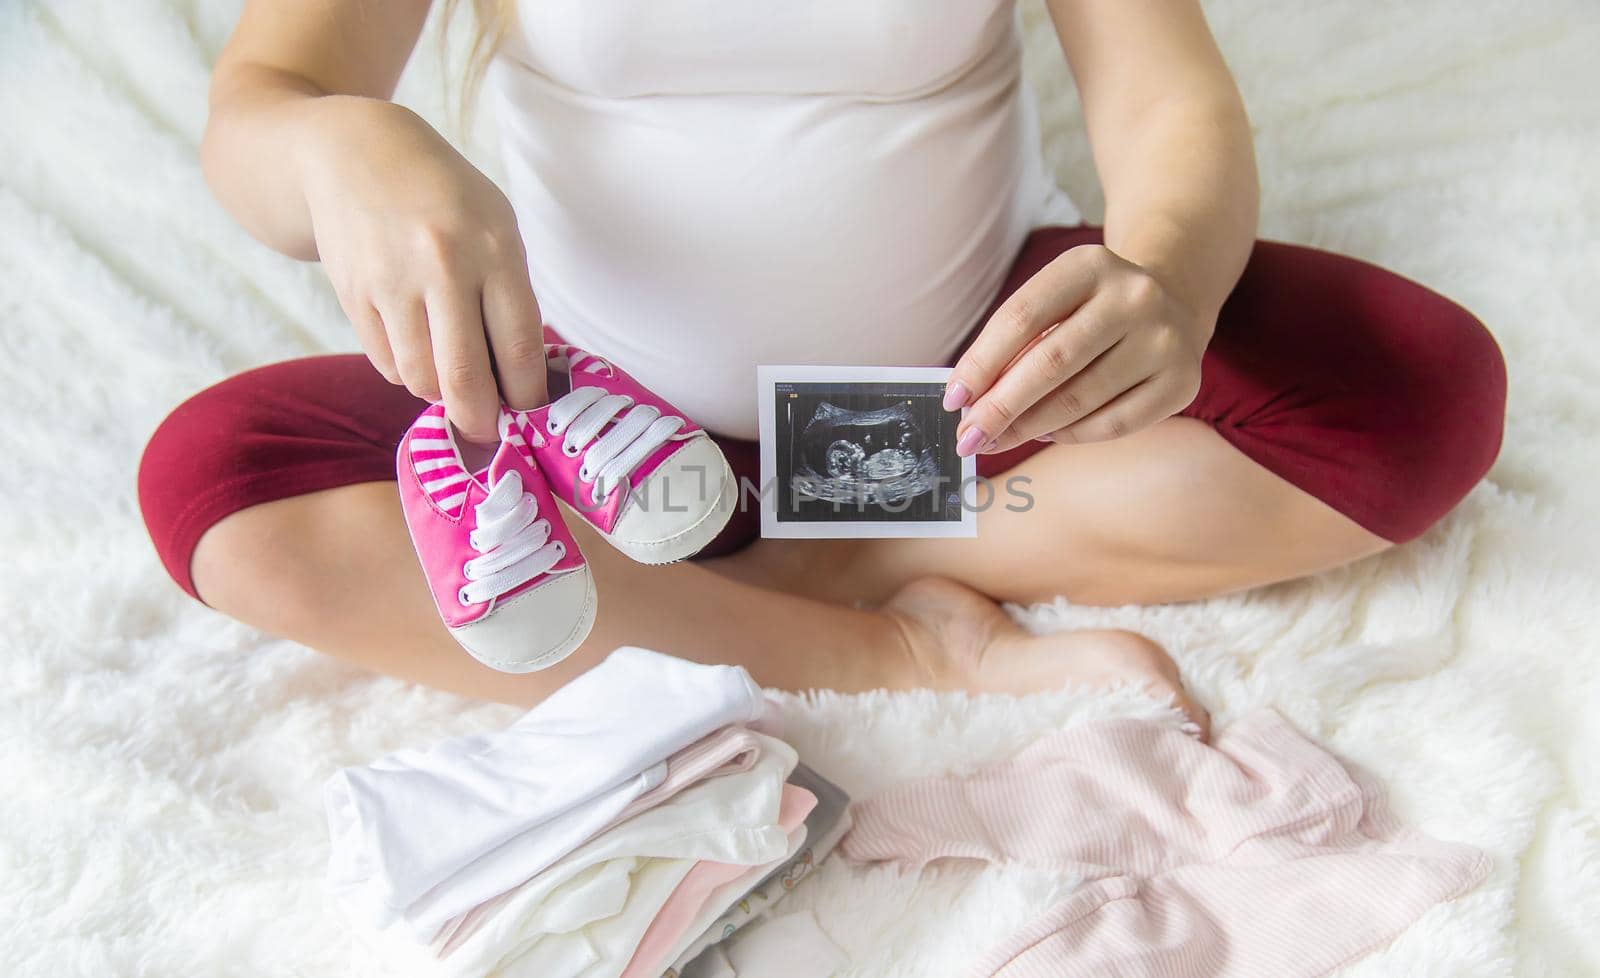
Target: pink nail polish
x,y
956,396
970,442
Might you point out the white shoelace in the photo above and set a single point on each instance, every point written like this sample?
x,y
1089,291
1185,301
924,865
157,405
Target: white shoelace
x,y
581,414
512,542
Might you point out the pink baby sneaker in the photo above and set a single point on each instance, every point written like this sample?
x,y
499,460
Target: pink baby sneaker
x,y
651,481
505,573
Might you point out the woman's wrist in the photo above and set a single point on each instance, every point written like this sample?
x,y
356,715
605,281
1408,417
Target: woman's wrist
x,y
330,129
1197,270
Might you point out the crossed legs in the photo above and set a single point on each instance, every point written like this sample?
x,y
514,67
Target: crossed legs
x,y
1341,408
334,570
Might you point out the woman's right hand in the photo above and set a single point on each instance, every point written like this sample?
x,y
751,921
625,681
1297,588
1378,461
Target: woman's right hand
x,y
424,254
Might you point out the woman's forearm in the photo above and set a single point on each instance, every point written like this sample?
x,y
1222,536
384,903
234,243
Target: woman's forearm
x,y
300,83
270,138
1182,198
1171,142
253,155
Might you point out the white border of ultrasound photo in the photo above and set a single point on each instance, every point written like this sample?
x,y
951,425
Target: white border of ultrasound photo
x,y
768,376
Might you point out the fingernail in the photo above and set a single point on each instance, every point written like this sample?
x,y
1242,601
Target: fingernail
x,y
970,442
1045,438
956,396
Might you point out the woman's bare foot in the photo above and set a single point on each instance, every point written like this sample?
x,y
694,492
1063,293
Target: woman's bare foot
x,y
957,639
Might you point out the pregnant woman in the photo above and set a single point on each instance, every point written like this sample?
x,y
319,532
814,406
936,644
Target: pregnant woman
x,y
693,187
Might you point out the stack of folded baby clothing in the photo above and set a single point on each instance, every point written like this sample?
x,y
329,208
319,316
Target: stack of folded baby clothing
x,y
638,816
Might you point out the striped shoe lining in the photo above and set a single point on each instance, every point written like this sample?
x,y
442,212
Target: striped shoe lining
x,y
437,463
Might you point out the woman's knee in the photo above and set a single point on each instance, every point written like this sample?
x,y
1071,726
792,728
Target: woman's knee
x,y
1483,366
1468,404
1451,409
267,434
185,469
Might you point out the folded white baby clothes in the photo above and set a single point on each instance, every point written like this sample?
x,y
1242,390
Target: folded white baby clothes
x,y
826,824
726,751
422,836
613,937
722,752
600,897
724,896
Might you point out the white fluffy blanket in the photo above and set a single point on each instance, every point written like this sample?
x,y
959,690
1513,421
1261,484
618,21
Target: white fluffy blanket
x,y
159,766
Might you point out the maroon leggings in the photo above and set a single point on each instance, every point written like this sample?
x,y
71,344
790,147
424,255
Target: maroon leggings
x,y
1366,390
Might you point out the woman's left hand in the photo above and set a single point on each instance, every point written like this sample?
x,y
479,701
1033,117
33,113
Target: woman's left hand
x,y
1091,348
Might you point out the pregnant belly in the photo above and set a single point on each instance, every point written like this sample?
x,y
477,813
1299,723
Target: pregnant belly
x,y
693,241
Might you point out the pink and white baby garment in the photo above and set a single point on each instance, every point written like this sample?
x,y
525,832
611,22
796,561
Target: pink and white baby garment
x,y
1259,857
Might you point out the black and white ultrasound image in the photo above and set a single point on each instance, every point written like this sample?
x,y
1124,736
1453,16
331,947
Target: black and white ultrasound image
x,y
865,452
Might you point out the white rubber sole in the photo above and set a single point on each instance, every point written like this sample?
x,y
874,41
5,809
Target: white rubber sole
x,y
688,542
544,658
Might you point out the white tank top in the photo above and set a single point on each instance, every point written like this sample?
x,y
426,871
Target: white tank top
x,y
705,185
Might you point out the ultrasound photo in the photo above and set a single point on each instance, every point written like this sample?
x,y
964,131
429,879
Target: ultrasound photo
x,y
860,452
